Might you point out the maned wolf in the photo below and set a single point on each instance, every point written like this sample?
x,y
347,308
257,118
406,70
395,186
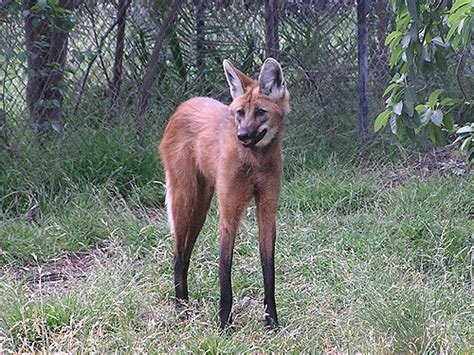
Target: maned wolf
x,y
235,151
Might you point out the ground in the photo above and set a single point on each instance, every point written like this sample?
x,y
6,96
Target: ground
x,y
370,257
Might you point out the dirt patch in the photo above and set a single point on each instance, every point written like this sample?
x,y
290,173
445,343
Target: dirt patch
x,y
424,165
62,273
444,159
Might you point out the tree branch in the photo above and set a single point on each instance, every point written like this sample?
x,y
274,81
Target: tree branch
x,y
149,76
86,74
96,40
458,77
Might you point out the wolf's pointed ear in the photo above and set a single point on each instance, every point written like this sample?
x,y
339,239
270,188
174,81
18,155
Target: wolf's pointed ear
x,y
235,84
271,80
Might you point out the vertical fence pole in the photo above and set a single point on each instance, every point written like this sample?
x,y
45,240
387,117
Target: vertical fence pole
x,y
362,39
271,27
199,8
119,47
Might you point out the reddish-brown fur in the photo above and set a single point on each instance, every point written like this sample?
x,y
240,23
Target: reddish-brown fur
x,y
201,154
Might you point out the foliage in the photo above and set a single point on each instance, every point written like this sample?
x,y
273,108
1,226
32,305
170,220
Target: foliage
x,y
466,137
427,32
51,10
39,174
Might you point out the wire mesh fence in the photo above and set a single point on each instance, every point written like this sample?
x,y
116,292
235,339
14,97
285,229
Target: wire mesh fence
x,y
98,68
100,81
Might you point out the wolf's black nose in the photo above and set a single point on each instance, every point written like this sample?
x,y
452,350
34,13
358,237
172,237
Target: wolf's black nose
x,y
243,134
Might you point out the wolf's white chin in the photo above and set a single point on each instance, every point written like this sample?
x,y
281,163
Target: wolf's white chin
x,y
271,132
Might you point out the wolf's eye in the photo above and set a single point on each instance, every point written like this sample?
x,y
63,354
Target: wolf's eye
x,y
240,112
260,112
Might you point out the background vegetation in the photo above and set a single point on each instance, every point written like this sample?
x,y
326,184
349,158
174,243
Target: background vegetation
x,y
373,239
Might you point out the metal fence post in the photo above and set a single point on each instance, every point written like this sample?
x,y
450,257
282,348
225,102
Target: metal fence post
x,y
362,39
271,27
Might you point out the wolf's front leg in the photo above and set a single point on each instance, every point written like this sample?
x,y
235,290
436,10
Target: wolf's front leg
x,y
267,204
232,199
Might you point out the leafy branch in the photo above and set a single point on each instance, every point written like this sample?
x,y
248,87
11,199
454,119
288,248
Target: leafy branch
x,y
426,33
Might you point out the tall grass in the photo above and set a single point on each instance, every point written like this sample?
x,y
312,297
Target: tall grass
x,y
39,174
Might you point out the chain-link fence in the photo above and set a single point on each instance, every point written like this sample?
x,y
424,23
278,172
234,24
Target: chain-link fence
x,y
99,87
89,80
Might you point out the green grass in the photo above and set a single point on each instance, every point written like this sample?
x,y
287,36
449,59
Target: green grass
x,y
362,264
88,157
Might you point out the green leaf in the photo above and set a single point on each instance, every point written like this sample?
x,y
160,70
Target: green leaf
x,y
381,120
457,40
456,26
425,116
392,36
450,102
404,67
406,41
400,129
466,32
456,17
466,144
409,101
410,122
437,117
438,41
61,10
431,133
420,108
414,32
393,124
465,129
470,157
396,55
397,108
389,89
436,135
448,122
451,31
426,54
416,119
459,3
434,96
400,79
409,55
439,136
441,61
42,4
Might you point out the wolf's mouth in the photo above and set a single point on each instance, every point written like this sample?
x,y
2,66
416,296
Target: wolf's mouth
x,y
249,143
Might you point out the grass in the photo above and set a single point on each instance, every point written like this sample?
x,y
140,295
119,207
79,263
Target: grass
x,y
362,264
